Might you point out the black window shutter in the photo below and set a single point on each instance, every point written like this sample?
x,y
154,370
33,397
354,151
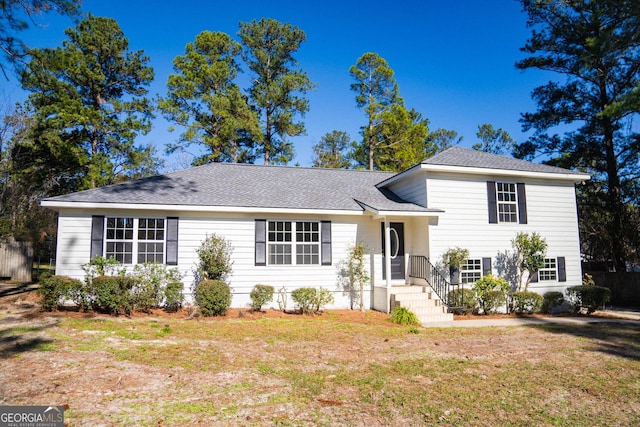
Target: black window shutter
x,y
97,235
486,266
325,238
562,269
261,242
522,203
493,204
172,241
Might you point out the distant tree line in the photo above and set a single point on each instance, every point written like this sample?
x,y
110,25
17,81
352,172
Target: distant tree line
x,y
89,102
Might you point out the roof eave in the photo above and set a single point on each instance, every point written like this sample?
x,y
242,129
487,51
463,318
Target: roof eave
x,y
573,177
63,205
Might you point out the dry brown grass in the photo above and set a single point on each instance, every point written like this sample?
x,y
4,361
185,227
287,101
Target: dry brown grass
x,y
340,368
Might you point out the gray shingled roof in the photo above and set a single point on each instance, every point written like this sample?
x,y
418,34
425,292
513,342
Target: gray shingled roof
x,y
253,186
465,157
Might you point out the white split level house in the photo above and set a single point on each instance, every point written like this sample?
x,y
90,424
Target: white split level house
x,y
293,227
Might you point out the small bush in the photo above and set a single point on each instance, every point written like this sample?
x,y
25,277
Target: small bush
x,y
525,302
214,254
101,266
488,290
403,316
589,297
55,289
492,300
463,301
260,295
550,300
304,299
311,300
173,296
213,297
323,297
151,283
112,294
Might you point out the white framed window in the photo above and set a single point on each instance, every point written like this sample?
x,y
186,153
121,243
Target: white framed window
x,y
549,271
125,237
288,247
471,270
119,239
151,240
507,199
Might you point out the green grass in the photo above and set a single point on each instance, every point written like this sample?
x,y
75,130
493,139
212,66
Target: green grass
x,y
319,371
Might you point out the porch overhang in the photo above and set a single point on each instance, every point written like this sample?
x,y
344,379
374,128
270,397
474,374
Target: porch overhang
x,y
413,211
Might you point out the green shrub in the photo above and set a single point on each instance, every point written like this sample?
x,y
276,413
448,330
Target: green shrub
x,y
214,254
488,289
213,297
260,295
492,300
589,297
111,294
304,299
173,296
101,266
311,300
463,301
403,316
55,289
525,302
151,283
551,300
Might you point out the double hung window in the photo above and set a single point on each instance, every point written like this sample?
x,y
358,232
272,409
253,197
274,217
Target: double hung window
x,y
293,242
144,237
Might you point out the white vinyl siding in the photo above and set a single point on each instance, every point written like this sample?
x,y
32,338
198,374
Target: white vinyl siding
x,y
551,211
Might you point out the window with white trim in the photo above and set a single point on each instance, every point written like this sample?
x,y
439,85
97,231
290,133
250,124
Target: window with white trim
x,y
549,271
471,270
507,198
127,236
150,240
286,246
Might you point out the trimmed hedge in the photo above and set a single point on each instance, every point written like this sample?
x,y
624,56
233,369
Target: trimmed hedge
x,y
551,300
525,302
213,297
492,300
589,297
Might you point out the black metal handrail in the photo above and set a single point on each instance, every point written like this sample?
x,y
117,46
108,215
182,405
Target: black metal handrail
x,y
421,268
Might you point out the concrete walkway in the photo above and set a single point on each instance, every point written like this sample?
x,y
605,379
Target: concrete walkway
x,y
610,315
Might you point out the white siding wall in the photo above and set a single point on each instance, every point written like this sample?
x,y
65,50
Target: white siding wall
x,y
74,242
551,208
412,189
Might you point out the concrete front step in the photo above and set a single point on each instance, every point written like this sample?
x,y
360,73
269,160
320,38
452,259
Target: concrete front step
x,y
421,301
419,311
433,318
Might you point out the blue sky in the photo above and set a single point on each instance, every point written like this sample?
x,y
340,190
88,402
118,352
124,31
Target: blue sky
x,y
453,61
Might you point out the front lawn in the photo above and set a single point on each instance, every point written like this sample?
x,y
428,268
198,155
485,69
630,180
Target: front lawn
x,y
323,370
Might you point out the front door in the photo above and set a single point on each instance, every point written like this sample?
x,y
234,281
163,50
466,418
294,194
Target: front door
x,y
397,251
